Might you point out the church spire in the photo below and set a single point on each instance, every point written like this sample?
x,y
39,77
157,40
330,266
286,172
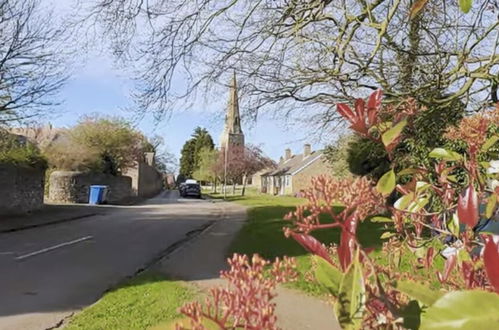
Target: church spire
x,y
233,133
233,120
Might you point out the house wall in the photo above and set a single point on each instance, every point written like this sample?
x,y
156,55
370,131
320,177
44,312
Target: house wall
x,y
73,187
21,188
302,179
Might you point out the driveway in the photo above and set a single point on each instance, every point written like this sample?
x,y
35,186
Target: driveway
x,y
47,273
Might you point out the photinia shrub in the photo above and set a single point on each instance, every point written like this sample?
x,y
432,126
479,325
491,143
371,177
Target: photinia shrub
x,y
437,224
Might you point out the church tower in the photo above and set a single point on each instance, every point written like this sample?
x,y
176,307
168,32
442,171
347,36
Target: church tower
x,y
232,134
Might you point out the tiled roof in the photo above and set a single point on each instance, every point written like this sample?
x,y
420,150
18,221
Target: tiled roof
x,y
295,164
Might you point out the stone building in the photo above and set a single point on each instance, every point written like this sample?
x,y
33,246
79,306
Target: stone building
x,y
294,172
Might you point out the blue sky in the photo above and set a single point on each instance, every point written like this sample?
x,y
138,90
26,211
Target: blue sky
x,y
96,86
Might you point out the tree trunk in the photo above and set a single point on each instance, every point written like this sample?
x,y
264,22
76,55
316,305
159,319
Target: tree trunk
x,y
234,188
215,186
244,186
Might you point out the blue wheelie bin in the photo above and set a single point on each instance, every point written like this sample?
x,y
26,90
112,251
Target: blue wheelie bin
x,y
97,194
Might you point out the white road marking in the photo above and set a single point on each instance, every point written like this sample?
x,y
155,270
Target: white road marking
x,y
53,247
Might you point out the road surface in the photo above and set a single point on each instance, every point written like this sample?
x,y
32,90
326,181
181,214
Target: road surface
x,y
48,273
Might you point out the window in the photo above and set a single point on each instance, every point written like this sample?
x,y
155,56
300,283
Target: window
x,y
288,180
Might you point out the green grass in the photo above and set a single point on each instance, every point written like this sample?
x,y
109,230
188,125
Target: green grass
x,y
143,302
263,234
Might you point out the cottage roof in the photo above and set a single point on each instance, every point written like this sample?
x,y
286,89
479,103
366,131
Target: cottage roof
x,y
295,164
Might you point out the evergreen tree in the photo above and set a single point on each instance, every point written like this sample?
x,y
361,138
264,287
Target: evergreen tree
x,y
191,151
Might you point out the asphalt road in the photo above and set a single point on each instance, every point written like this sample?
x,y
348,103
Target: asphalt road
x,y
48,273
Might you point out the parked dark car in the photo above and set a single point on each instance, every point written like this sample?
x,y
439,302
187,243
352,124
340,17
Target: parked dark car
x,y
190,188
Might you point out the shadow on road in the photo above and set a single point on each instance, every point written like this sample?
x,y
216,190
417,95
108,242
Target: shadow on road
x,y
123,241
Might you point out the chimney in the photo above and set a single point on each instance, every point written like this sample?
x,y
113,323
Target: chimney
x,y
307,150
287,154
281,160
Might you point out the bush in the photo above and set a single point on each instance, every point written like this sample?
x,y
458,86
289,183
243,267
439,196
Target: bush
x,y
17,151
106,145
66,154
366,157
337,156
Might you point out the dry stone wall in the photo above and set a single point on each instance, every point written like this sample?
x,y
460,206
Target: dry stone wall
x,y
73,187
21,188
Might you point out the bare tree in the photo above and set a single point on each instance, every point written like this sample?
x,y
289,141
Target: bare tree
x,y
32,66
309,52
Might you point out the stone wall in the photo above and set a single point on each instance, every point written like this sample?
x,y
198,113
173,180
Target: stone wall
x,y
146,180
21,189
73,187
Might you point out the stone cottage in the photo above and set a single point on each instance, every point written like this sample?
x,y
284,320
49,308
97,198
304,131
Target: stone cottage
x,y
294,172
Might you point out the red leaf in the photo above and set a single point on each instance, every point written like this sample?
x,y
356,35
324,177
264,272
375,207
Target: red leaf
x,y
359,127
467,207
450,263
373,106
346,112
416,7
360,106
347,242
491,260
312,245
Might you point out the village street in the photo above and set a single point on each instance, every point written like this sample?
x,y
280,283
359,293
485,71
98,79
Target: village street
x,y
51,271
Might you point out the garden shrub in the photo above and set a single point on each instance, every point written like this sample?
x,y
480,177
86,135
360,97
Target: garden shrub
x,y
438,219
98,144
18,151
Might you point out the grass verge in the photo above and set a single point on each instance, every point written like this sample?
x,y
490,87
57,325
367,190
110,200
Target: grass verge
x,y
263,234
140,303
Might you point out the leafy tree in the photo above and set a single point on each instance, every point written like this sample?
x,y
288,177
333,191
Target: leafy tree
x,y
426,132
366,157
207,167
337,156
102,144
190,154
187,158
203,141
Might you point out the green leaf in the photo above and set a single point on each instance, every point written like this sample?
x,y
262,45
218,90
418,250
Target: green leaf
x,y
418,291
381,219
408,171
491,206
393,133
387,183
463,310
490,142
387,234
412,315
338,208
421,186
465,5
453,225
350,306
328,276
448,155
418,205
403,202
